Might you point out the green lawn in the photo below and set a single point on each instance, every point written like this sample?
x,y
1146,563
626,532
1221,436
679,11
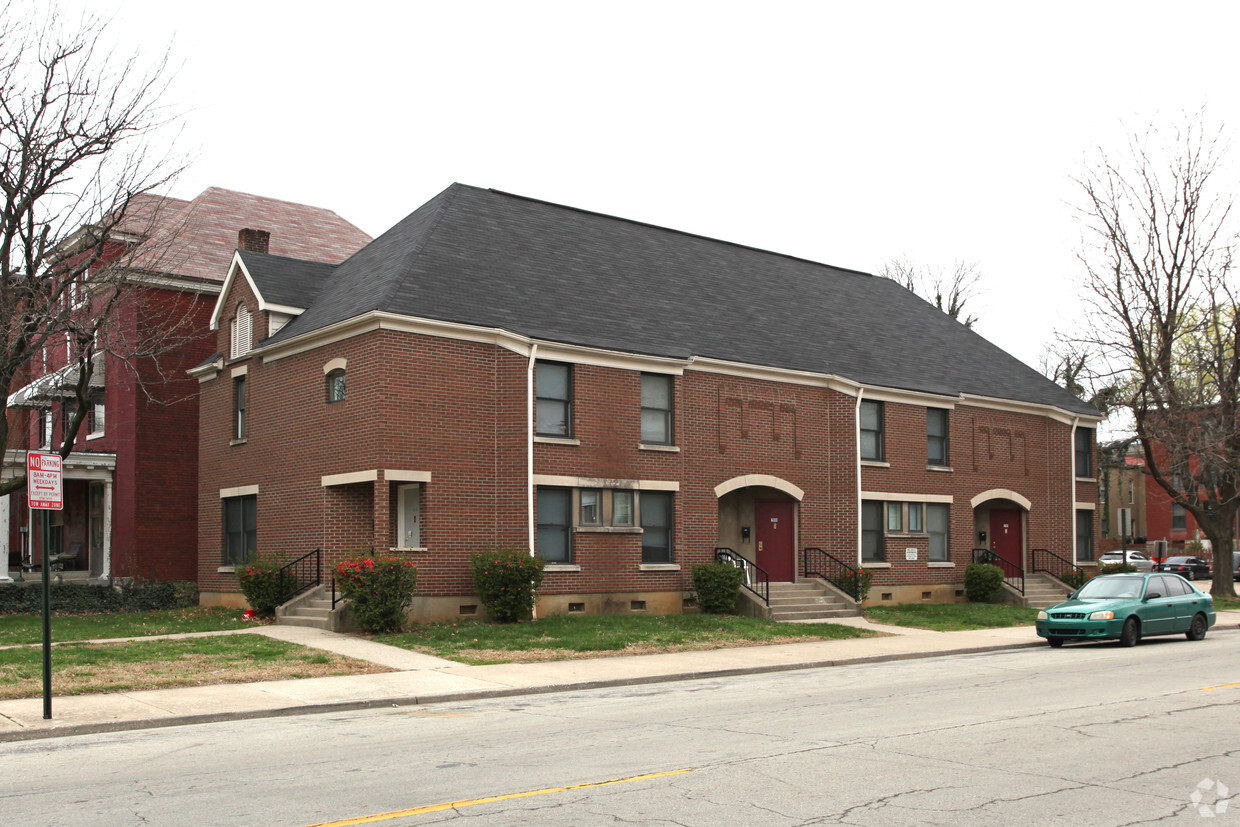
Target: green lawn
x,y
561,638
79,668
1226,603
29,628
952,617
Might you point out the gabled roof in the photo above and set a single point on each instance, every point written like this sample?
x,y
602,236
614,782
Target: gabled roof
x,y
196,239
492,259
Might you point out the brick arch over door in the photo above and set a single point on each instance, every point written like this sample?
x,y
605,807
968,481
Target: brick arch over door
x,y
1001,494
764,480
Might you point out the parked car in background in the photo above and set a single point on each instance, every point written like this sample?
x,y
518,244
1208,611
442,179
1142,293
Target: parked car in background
x,y
1127,607
1137,559
1235,564
1190,568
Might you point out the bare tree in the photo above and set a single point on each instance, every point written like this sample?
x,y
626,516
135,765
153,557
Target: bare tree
x,y
76,170
949,292
1157,250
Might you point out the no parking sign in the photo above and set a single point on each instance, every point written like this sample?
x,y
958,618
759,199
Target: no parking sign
x,y
44,473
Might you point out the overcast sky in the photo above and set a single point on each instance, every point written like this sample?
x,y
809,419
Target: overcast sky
x,y
850,134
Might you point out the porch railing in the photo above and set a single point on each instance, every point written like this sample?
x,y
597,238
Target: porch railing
x,y
818,563
304,573
1056,566
1016,581
756,578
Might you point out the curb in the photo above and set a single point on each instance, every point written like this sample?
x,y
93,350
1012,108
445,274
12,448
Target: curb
x,y
68,730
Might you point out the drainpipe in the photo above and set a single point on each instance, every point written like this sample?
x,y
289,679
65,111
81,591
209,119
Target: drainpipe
x,y
529,445
857,435
1072,486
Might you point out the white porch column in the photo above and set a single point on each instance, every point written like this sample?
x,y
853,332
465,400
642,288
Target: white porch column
x,y
5,577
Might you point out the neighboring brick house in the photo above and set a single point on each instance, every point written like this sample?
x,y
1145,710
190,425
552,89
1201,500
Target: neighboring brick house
x,y
131,483
501,371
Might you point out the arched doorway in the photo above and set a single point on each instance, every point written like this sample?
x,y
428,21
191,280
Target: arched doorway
x,y
758,520
1000,525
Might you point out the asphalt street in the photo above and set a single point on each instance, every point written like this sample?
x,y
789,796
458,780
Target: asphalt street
x,y
1089,734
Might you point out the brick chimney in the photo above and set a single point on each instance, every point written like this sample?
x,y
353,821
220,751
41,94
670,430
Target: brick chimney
x,y
253,241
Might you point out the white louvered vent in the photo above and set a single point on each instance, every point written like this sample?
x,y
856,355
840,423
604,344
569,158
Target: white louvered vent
x,y
242,332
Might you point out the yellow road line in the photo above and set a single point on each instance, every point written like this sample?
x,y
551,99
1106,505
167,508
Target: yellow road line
x,y
451,805
1220,686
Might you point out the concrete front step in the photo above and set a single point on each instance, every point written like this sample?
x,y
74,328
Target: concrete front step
x,y
825,614
807,600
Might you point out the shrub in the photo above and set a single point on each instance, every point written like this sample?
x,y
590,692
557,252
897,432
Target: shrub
x,y
1116,568
70,599
846,580
379,590
263,584
982,582
718,585
507,581
1074,578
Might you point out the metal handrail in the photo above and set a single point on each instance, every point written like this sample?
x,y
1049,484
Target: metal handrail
x,y
1016,581
834,570
755,578
1041,563
304,573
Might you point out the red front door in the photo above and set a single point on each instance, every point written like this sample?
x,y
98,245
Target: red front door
x,y
776,545
1006,538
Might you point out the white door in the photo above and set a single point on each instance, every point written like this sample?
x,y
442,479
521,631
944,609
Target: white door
x,y
409,517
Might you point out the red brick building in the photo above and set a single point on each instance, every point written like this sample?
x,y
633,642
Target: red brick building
x,y
623,399
131,483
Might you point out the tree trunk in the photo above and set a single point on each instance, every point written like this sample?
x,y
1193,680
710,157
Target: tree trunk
x,y
1219,532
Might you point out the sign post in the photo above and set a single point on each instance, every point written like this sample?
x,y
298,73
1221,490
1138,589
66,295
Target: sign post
x,y
45,492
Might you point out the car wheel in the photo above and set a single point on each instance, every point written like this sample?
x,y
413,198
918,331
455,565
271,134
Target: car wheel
x,y
1197,631
1131,635
1192,575
1055,642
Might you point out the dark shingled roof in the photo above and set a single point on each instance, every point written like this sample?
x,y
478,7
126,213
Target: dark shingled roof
x,y
560,274
286,281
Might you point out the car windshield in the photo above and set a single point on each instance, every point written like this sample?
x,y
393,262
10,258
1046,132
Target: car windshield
x,y
1101,588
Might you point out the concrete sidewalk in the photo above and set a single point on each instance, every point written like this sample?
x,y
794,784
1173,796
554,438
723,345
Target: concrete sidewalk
x,y
423,679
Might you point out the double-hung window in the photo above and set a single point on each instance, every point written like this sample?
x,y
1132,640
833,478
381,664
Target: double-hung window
x,y
936,437
591,512
239,407
336,385
555,524
937,522
656,409
553,392
1084,535
1084,453
656,516
45,427
621,507
871,414
240,529
96,412
1179,518
873,543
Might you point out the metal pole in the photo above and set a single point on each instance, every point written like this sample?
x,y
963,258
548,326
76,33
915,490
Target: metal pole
x,y
47,618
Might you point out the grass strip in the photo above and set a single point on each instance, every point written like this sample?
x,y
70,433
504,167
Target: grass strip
x,y
562,638
29,628
952,617
80,668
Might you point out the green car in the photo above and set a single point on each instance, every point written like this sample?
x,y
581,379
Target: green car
x,y
1126,607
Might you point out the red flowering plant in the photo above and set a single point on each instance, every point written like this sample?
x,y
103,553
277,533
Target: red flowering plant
x,y
507,581
379,590
263,583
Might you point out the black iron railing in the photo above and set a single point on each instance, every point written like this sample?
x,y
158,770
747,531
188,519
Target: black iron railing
x,y
818,563
756,579
1013,574
335,597
1065,570
304,573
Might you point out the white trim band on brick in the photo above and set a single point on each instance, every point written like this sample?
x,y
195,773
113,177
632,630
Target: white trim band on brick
x,y
764,480
1086,506
887,496
601,482
397,475
1002,494
239,491
241,370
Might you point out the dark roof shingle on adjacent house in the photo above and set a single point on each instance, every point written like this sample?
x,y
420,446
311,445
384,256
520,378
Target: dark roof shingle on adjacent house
x,y
556,273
